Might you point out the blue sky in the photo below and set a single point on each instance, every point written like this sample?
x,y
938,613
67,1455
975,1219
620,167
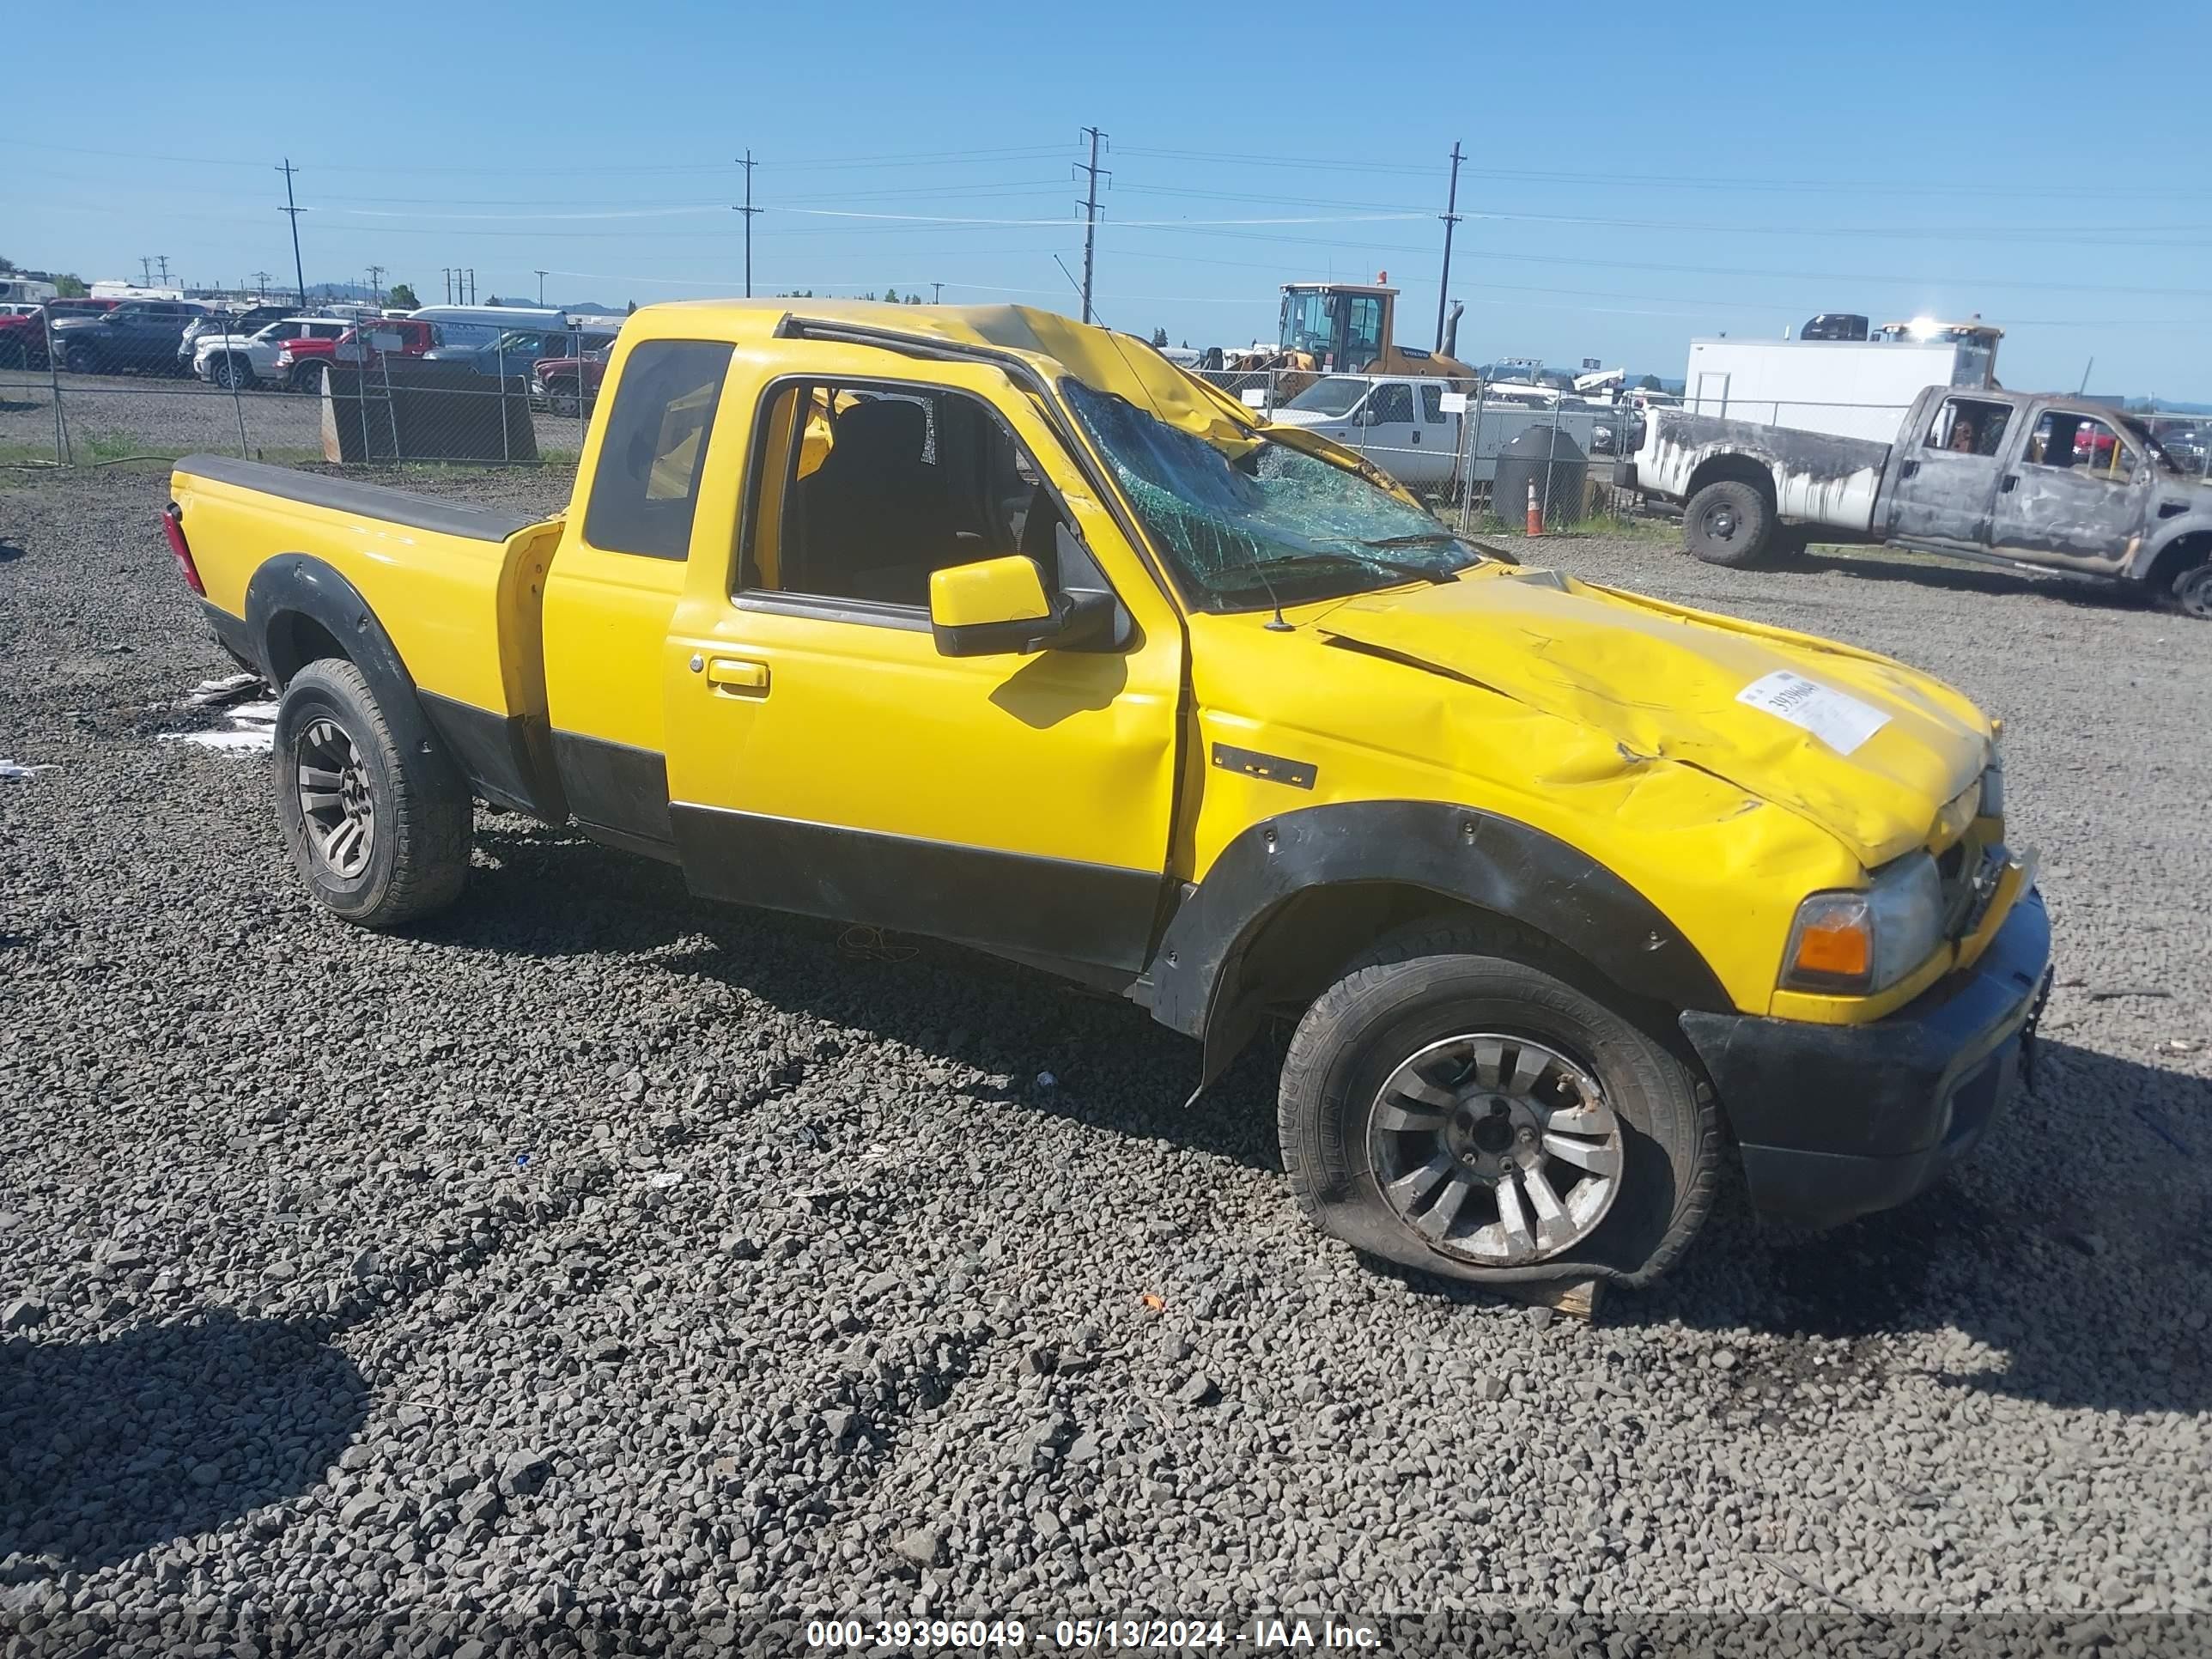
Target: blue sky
x,y
1636,174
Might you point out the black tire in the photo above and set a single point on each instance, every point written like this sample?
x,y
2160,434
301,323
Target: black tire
x,y
81,360
417,810
230,371
563,403
2192,593
1728,523
1419,995
308,377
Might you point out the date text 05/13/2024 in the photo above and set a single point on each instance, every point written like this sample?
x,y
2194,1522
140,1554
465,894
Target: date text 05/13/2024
x,y
1173,1635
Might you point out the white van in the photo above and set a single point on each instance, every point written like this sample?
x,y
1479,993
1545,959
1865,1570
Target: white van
x,y
479,326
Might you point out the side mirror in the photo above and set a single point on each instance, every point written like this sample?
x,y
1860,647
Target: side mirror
x,y
995,607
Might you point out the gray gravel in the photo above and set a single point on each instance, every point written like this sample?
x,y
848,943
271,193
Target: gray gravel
x,y
555,1262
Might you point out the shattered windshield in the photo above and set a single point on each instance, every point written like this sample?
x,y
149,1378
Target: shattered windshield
x,y
1275,525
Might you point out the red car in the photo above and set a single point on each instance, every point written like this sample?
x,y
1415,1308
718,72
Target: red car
x,y
23,338
299,364
567,385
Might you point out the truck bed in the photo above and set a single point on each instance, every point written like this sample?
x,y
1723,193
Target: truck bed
x,y
453,591
1819,478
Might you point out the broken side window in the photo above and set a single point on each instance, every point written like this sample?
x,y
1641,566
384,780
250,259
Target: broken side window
x,y
2080,443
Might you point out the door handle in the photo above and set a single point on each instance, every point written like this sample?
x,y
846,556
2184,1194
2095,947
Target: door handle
x,y
737,676
2010,479
1908,469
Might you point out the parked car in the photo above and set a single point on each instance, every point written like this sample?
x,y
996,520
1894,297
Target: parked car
x,y
138,336
1570,893
567,385
23,336
243,324
515,350
239,359
2028,478
299,362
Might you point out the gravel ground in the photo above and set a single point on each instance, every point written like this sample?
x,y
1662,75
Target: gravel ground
x,y
553,1263
112,416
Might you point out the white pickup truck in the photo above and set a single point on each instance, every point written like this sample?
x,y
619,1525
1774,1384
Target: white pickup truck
x,y
244,359
1409,425
2025,478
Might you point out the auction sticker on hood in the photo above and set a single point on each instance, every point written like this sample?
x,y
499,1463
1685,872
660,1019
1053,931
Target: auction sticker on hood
x,y
1840,721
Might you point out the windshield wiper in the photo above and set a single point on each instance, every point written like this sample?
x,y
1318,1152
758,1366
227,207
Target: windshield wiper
x,y
1345,561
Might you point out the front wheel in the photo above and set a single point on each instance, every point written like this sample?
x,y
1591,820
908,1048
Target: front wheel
x,y
380,834
79,360
2192,592
1728,523
563,402
1479,1118
231,375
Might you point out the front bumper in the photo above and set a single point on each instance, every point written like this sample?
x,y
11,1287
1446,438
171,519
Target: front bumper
x,y
1835,1122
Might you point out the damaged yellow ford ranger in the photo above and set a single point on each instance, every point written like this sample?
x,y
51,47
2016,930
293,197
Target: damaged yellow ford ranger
x,y
983,625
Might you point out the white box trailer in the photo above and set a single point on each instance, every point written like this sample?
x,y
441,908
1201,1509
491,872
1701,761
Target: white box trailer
x,y
1846,388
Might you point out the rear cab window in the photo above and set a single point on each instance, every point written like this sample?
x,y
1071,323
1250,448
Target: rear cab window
x,y
645,490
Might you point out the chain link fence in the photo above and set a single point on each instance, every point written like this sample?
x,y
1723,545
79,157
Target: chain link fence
x,y
77,390
1449,440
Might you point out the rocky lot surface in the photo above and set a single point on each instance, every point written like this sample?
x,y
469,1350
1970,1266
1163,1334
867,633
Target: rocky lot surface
x,y
555,1260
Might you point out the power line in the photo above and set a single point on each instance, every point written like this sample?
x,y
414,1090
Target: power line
x,y
1089,214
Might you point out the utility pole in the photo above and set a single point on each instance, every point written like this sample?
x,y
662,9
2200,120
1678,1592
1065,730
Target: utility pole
x,y
1450,218
541,289
1090,213
162,260
261,282
376,284
749,210
937,293
291,208
470,298
145,271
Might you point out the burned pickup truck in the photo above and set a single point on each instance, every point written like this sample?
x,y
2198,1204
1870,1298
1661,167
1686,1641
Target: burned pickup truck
x,y
2017,477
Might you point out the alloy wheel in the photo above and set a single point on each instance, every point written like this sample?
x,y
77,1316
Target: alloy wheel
x,y
335,803
1496,1148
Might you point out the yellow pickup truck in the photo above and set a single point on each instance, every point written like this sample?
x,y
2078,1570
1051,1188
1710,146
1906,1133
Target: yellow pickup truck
x,y
987,625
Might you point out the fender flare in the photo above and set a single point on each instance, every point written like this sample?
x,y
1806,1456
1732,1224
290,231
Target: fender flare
x,y
1457,852
2170,531
297,584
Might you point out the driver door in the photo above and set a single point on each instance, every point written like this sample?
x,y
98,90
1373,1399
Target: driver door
x,y
825,757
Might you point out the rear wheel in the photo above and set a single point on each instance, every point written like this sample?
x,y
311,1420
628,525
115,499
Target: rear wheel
x,y
380,834
1480,1118
1728,523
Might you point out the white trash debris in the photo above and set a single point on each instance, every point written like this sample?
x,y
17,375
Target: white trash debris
x,y
10,770
207,693
248,728
661,1180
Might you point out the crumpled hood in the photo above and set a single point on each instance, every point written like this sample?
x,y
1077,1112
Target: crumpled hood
x,y
1663,682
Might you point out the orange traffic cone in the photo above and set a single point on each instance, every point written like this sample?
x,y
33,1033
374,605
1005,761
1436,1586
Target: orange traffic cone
x,y
1535,511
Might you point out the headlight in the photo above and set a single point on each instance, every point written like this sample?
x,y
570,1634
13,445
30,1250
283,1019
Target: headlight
x,y
1867,941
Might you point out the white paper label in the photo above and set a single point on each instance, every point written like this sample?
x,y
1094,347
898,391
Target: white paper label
x,y
1454,402
1256,396
1840,721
